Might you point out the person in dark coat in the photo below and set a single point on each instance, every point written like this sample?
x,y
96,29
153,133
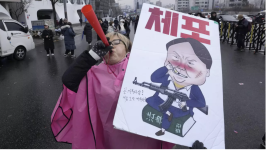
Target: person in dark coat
x,y
106,22
48,35
127,27
69,35
88,32
116,22
117,26
214,17
104,27
136,23
241,31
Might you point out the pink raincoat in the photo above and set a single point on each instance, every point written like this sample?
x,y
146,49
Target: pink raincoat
x,y
85,118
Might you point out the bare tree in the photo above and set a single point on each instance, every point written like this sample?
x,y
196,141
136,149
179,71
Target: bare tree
x,y
20,7
54,12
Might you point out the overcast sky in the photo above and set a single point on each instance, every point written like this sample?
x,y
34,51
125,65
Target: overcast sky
x,y
131,2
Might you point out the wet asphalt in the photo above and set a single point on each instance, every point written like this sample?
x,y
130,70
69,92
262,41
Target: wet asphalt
x,y
29,90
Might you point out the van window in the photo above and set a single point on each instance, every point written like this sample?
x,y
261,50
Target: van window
x,y
12,26
2,27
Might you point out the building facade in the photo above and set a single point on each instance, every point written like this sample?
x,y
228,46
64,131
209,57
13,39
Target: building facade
x,y
170,6
140,2
236,3
182,5
42,9
200,5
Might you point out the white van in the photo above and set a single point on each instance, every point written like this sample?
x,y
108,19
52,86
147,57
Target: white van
x,y
15,38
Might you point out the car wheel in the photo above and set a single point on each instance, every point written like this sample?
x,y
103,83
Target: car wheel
x,y
20,53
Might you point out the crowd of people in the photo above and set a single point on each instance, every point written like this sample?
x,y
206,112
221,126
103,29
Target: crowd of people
x,y
67,31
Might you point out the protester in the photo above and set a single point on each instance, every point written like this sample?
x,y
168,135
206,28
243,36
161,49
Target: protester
x,y
111,27
87,31
69,35
214,17
241,31
128,21
122,27
127,28
106,22
136,23
116,23
93,91
48,35
80,21
104,27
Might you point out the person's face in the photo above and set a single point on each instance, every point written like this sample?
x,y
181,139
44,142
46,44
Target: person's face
x,y
100,21
186,68
118,52
213,15
46,27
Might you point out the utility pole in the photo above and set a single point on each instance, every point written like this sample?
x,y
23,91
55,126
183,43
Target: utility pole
x,y
261,5
65,8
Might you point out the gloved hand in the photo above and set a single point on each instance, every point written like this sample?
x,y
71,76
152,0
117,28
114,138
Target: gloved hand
x,y
198,145
100,49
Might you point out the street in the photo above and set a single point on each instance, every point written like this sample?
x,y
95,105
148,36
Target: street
x,y
31,88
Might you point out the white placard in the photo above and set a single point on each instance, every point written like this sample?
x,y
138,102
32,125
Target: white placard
x,y
177,94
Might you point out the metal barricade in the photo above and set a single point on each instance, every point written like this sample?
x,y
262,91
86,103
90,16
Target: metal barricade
x,y
254,40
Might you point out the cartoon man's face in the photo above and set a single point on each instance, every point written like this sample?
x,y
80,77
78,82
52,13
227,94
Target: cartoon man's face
x,y
184,66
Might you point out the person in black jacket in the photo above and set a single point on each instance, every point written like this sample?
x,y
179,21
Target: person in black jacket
x,y
241,31
214,17
127,27
48,35
106,22
116,23
104,27
87,31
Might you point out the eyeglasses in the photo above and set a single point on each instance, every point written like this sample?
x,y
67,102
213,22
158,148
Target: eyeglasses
x,y
117,42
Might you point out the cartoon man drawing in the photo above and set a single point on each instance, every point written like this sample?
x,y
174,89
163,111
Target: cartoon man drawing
x,y
186,67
